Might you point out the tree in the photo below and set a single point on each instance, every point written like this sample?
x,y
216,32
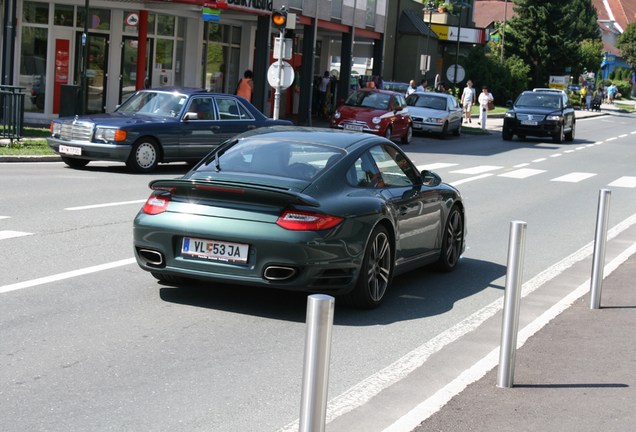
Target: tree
x,y
548,35
627,44
591,53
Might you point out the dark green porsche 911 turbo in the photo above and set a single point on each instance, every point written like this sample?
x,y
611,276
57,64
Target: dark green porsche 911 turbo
x,y
305,209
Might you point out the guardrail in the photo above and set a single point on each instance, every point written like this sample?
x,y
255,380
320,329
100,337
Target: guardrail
x,y
11,112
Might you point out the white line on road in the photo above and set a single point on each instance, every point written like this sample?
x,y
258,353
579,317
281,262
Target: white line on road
x,y
66,275
522,173
477,170
574,177
13,234
626,182
113,204
469,179
364,391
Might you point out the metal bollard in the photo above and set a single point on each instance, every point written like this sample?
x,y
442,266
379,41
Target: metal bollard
x,y
512,297
600,240
313,402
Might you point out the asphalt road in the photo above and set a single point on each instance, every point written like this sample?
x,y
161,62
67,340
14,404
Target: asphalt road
x,y
90,342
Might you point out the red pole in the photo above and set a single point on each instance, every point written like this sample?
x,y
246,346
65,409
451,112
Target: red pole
x,y
141,50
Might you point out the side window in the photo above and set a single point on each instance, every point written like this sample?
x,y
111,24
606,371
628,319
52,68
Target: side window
x,y
364,173
394,167
231,109
202,106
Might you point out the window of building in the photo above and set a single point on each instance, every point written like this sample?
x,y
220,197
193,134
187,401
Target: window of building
x,y
35,12
63,15
221,55
371,13
33,67
336,9
99,19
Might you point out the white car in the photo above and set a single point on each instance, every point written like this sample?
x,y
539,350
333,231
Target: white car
x,y
438,113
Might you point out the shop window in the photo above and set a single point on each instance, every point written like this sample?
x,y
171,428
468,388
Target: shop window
x,y
35,12
181,25
99,19
33,67
63,15
164,53
165,25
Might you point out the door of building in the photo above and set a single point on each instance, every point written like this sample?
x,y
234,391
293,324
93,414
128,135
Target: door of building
x,y
96,70
128,74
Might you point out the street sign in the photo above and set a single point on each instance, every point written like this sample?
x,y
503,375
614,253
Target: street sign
x,y
286,75
287,48
450,74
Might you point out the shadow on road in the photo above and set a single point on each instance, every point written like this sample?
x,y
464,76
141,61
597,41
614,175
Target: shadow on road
x,y
418,294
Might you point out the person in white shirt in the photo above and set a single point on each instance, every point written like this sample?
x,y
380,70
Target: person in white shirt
x,y
483,100
468,98
422,86
411,88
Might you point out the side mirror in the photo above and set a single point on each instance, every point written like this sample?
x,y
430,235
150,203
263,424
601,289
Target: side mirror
x,y
429,178
509,104
190,116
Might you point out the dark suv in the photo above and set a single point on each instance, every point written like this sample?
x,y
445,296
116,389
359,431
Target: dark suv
x,y
540,113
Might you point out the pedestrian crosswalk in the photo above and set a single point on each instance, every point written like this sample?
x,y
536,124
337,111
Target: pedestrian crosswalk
x,y
520,171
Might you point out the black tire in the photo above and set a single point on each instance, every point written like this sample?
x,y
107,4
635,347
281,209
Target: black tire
x,y
144,157
458,131
388,132
376,271
444,133
559,137
74,162
569,136
506,134
452,240
406,138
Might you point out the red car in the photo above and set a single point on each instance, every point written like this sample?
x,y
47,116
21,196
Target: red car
x,y
379,112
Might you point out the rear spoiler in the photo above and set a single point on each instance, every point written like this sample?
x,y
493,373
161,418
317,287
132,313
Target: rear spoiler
x,y
234,191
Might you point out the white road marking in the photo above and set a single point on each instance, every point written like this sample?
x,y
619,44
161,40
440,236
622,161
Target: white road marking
x,y
434,403
574,177
611,139
113,204
435,166
5,217
469,179
521,165
12,234
66,275
622,136
556,155
626,182
522,173
538,160
362,392
477,170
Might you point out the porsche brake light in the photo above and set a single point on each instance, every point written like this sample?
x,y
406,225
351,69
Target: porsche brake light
x,y
307,221
157,203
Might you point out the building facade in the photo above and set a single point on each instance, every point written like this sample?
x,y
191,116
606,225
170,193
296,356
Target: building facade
x,y
50,47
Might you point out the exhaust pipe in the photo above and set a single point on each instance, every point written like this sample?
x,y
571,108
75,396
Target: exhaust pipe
x,y
151,257
279,273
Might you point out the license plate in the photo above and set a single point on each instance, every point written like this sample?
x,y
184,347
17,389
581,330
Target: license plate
x,y
529,123
75,151
215,250
354,127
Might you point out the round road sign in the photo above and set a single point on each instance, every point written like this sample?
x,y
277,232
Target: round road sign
x,y
286,75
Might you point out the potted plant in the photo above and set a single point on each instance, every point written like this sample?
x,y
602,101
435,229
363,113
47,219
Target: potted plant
x,y
444,6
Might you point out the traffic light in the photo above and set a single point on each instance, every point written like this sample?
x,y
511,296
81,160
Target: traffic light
x,y
279,19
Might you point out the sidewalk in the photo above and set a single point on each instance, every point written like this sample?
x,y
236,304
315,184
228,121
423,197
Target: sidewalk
x,y
575,374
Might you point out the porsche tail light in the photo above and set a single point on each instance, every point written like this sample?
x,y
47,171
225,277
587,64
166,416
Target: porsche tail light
x,y
307,221
157,202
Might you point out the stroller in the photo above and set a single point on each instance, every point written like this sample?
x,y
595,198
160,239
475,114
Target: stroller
x,y
596,103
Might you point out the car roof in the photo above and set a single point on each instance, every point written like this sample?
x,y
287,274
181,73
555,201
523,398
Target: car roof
x,y
375,90
548,90
324,136
430,93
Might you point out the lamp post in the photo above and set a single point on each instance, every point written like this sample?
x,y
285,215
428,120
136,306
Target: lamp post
x,y
461,6
503,29
430,7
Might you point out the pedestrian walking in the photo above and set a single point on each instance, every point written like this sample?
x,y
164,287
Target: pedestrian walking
x,y
486,102
245,86
422,86
322,93
589,94
467,100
